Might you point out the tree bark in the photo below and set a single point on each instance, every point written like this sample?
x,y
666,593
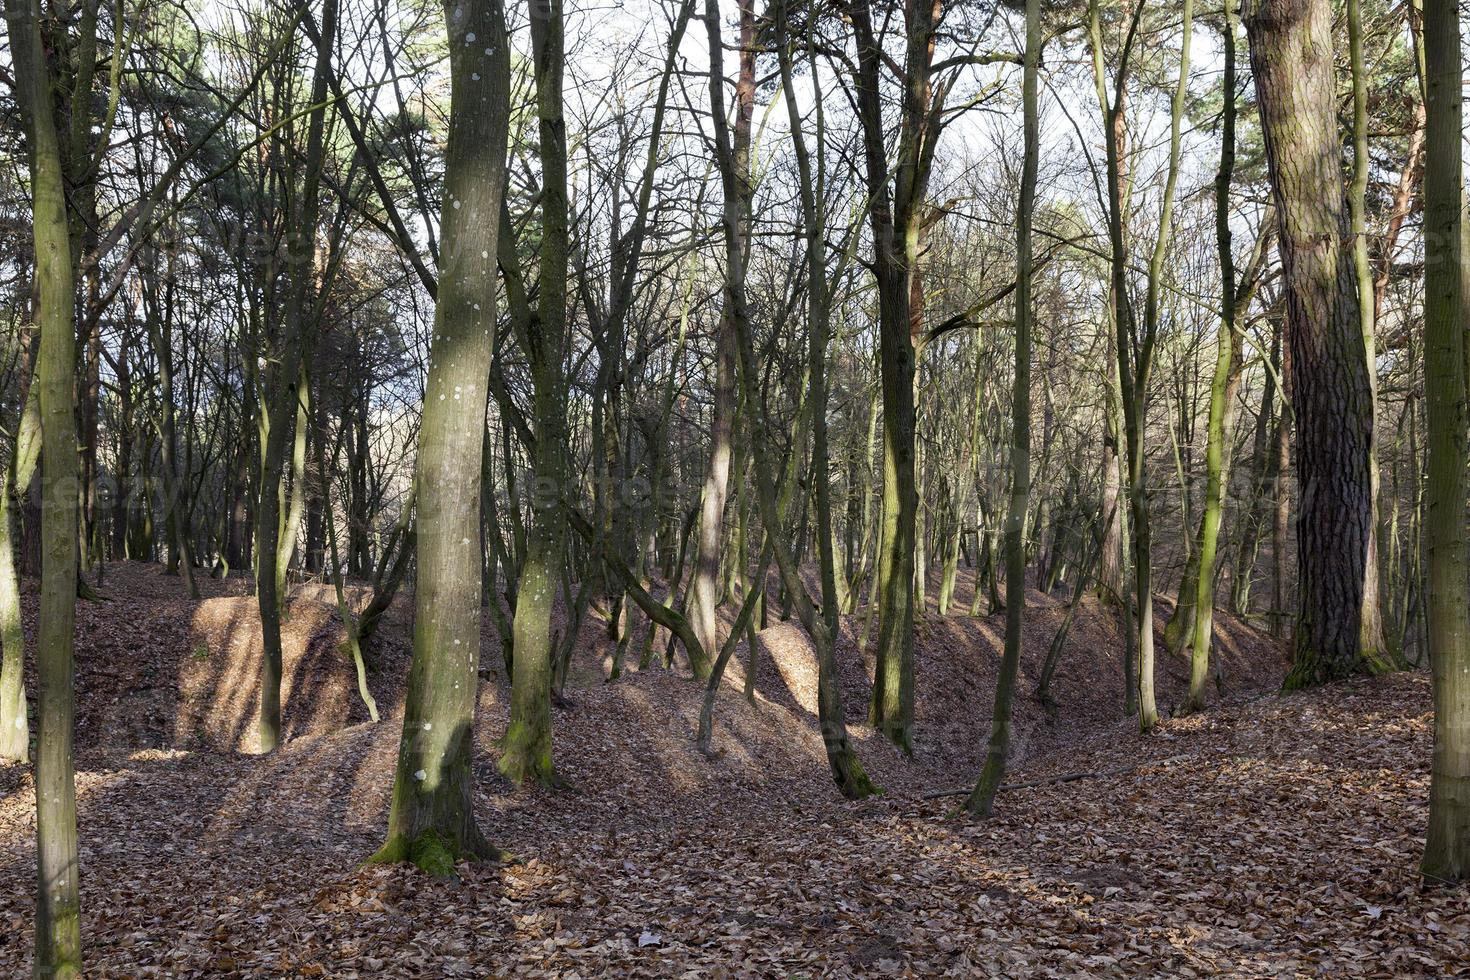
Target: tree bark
x,y
1447,847
1331,387
526,748
432,820
992,774
58,905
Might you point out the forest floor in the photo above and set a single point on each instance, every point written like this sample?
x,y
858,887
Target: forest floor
x,y
1270,836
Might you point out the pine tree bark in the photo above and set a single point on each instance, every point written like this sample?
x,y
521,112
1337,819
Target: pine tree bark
x,y
1331,388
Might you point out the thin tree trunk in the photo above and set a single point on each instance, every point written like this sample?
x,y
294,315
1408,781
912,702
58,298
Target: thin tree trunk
x,y
1372,642
525,751
893,212
847,772
15,733
704,589
982,798
58,906
283,404
1447,847
1219,434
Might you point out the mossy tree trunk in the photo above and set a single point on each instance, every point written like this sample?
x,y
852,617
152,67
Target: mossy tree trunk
x,y
432,820
58,904
893,213
15,733
1136,374
1447,847
1219,428
526,747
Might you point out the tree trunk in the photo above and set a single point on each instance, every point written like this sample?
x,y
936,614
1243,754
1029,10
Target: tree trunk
x,y
1447,847
982,798
432,821
704,590
58,907
893,215
1371,639
285,398
525,751
1218,438
15,733
847,772
1331,387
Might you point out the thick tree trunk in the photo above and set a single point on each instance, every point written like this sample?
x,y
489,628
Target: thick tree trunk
x,y
432,820
1331,387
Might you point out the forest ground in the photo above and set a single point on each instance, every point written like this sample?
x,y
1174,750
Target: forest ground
x,y
1274,835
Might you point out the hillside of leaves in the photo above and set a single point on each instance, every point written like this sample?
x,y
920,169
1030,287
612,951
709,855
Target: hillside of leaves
x,y
1273,835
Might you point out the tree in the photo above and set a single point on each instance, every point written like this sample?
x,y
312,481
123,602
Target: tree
x,y
703,588
982,798
525,751
58,902
1447,847
894,202
286,395
15,732
1221,407
1331,390
1135,344
847,771
432,820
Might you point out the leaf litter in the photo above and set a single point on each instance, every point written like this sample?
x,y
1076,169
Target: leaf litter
x,y
1270,836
